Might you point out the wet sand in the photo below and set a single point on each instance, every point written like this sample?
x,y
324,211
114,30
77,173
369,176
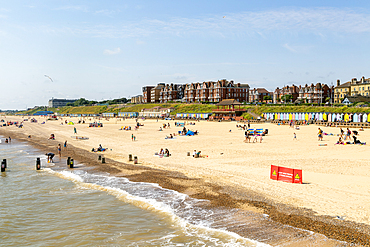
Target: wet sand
x,y
235,174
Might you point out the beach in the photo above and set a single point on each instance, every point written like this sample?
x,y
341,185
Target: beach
x,y
333,199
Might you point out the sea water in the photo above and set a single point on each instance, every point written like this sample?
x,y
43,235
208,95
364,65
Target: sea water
x,y
57,206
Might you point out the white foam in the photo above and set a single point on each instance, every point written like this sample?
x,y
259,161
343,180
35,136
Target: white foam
x,y
201,229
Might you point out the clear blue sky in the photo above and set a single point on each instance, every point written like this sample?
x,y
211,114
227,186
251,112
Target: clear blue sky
x,y
109,49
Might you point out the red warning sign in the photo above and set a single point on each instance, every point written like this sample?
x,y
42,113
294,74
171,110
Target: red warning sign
x,y
285,174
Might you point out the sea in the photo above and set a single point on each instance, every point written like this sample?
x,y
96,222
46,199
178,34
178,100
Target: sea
x,y
58,206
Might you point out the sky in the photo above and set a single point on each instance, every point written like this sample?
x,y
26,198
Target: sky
x,y
102,50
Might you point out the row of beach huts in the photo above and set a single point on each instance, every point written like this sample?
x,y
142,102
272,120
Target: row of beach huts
x,y
318,116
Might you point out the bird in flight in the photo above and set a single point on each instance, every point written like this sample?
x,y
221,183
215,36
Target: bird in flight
x,y
49,78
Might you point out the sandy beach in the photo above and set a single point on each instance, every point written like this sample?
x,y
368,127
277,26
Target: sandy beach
x,y
336,178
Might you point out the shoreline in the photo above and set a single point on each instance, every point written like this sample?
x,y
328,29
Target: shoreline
x,y
219,196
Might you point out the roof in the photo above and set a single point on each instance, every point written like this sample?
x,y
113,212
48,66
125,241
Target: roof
x,y
347,84
261,90
357,98
229,102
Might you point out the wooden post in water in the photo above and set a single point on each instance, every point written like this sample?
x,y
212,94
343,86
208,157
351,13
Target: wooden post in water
x,y
38,164
103,160
4,160
68,161
130,157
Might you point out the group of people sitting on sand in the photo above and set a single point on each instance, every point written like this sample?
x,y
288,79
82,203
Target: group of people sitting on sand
x,y
95,124
99,149
166,126
164,153
344,135
198,154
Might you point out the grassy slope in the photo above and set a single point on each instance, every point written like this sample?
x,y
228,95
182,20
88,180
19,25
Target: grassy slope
x,y
198,108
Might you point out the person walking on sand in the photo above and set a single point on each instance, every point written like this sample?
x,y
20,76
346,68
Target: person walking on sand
x,y
294,137
75,130
348,134
133,137
10,139
65,145
320,134
59,150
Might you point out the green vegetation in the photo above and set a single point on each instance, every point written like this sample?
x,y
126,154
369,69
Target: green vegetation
x,y
292,108
80,109
247,116
201,108
85,102
33,110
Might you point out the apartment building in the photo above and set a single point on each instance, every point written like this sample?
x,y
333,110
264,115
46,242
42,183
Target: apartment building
x,y
279,94
60,102
257,94
353,87
155,93
137,99
314,93
215,91
147,94
171,92
341,91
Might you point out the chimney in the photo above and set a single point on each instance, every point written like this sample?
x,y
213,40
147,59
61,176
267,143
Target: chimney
x,y
338,83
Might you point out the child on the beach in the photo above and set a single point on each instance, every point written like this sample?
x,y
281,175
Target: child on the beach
x,y
294,136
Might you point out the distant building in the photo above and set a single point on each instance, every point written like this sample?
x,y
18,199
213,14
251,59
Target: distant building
x,y
156,112
314,93
171,92
355,99
137,99
147,94
257,94
156,92
279,94
341,91
215,91
60,102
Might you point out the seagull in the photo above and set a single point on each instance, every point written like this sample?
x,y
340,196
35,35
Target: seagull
x,y
49,78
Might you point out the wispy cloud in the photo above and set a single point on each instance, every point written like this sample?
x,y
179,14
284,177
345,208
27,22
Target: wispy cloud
x,y
289,48
319,21
112,52
74,8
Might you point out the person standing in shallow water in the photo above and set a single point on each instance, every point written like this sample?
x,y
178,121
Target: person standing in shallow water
x,y
75,130
59,150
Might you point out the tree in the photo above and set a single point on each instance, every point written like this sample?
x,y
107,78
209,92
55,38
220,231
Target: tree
x,y
286,98
267,97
